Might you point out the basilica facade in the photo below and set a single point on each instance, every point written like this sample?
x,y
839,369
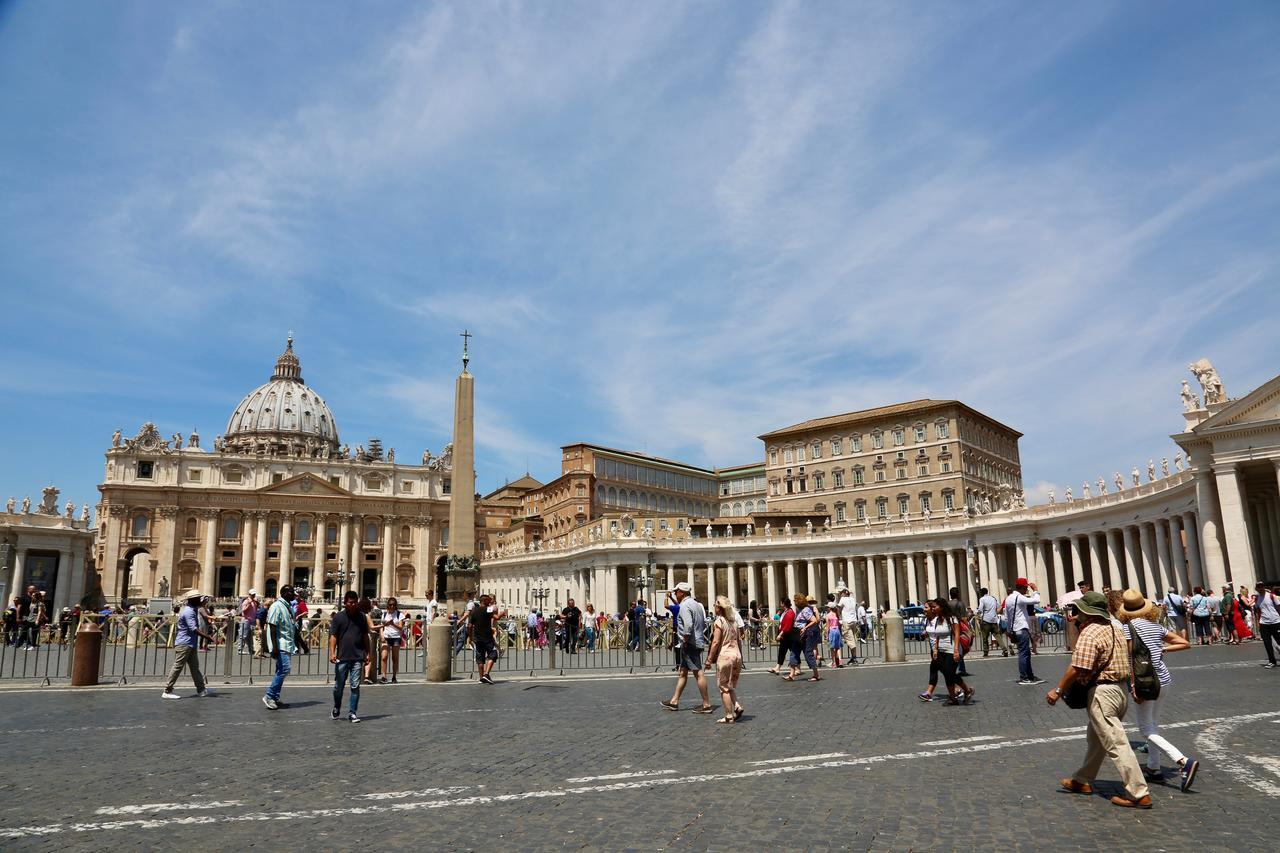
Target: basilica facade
x,y
278,499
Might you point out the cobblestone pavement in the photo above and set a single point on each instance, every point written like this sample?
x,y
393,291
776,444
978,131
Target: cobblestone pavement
x,y
852,762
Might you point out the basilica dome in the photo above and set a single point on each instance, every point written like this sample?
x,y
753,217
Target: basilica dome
x,y
283,415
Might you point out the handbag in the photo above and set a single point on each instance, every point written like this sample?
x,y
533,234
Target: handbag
x,y
1077,695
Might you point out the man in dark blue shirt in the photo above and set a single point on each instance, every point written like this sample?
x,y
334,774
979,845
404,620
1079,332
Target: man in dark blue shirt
x,y
186,648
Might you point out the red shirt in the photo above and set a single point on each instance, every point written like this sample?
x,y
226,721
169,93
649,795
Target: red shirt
x,y
788,620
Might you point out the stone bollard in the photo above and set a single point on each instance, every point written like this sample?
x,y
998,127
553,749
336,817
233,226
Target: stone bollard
x,y
895,644
87,656
439,649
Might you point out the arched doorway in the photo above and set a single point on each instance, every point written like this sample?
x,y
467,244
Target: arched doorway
x,y
132,567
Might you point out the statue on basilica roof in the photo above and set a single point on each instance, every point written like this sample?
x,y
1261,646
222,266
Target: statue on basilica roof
x,y
1209,381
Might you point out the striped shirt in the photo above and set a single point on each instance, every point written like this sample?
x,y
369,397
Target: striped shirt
x,y
1153,637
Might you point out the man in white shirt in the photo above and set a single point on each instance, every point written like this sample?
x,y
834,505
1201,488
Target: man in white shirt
x,y
989,623
1267,617
1015,611
867,617
848,621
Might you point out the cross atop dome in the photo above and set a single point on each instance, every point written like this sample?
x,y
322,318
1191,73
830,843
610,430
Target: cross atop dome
x,y
287,365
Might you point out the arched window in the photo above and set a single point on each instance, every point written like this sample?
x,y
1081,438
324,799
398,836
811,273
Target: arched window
x,y
304,531
331,534
189,529
405,535
229,527
613,496
600,494
273,532
737,509
662,503
371,533
140,523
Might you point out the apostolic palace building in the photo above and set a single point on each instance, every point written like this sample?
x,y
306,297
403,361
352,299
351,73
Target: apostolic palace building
x,y
900,502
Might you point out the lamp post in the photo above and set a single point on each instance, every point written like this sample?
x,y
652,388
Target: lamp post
x,y
541,593
339,578
642,582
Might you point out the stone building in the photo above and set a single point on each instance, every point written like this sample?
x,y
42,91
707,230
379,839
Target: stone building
x,y
924,457
277,499
1212,522
49,549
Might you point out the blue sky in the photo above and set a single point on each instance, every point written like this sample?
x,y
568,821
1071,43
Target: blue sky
x,y
671,226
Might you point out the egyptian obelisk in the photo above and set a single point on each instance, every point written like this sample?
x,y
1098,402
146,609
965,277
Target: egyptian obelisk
x,y
462,570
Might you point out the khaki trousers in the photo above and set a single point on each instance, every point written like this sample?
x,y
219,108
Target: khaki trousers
x,y
849,632
185,656
1106,738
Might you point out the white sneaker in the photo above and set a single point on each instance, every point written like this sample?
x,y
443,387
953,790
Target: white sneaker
x,y
169,694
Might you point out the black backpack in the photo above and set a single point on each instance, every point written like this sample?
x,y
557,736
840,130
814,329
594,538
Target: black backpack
x,y
1146,684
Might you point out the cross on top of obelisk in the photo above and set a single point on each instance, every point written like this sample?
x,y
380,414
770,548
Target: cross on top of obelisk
x,y
466,339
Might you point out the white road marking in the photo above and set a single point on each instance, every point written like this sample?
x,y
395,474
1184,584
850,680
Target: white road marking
x,y
1212,745
1269,764
1071,729
640,773
975,739
41,830
796,758
164,807
425,792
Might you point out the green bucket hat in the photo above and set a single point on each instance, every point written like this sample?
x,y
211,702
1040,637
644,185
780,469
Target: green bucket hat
x,y
1092,604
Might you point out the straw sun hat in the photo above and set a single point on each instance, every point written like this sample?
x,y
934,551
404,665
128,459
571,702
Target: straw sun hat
x,y
1137,607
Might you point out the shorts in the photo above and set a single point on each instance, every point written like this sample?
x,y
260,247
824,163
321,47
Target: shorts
x,y
394,642
486,650
689,657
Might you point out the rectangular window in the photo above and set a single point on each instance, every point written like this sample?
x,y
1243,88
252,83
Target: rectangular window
x,y
195,475
804,484
839,512
919,434
773,457
924,504
857,476
898,438
815,450
817,482
902,454
902,506
922,471
946,467
788,456
233,476
837,446
882,508
277,478
879,476
334,480
902,473
943,430
446,487
837,478
948,500
406,486
860,512
877,441
855,444
146,470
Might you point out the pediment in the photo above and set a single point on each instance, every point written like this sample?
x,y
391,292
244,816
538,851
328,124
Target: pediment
x,y
304,485
1260,405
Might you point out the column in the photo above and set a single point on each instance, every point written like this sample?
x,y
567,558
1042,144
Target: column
x,y
597,589
1115,559
245,582
344,556
1003,579
1178,554
771,584
1195,562
319,544
1058,546
1020,555
1164,565
891,579
872,603
931,577
166,558
913,583
260,556
1037,566
753,586
1148,555
611,588
62,596
811,575
1097,563
388,581
792,586
951,575
731,582
285,573
1077,572
1214,566
671,576
984,571
711,584
1132,561
1235,528
688,567
208,572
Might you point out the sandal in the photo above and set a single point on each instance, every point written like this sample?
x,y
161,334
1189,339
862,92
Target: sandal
x,y
737,714
726,721
815,678
968,697
669,705
787,678
707,710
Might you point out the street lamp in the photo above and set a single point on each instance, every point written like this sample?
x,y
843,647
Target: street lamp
x,y
540,592
339,578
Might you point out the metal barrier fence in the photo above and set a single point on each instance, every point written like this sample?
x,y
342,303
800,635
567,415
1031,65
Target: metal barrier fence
x,y
139,647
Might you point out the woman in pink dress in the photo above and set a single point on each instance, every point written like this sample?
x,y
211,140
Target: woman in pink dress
x,y
726,654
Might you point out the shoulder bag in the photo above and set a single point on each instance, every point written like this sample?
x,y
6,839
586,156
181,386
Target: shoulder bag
x,y
1077,695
